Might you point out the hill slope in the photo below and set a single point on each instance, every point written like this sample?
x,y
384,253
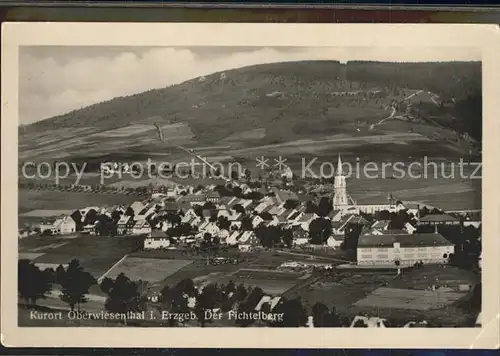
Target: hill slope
x,y
270,104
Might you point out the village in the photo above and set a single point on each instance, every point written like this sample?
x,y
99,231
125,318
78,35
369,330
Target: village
x,y
286,238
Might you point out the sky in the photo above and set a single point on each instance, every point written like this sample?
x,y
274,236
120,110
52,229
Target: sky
x,y
54,80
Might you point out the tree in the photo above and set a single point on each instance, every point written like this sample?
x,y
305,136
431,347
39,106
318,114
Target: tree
x,y
116,215
33,284
294,314
398,220
75,283
206,301
166,294
319,312
60,272
269,236
246,223
332,319
105,226
266,216
248,174
90,217
241,293
209,206
325,206
223,223
423,212
320,230
254,195
237,192
230,287
77,217
287,237
173,219
253,298
239,208
291,204
123,295
198,210
351,238
311,208
130,212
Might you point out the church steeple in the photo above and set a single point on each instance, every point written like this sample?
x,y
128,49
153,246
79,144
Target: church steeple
x,y
340,199
339,167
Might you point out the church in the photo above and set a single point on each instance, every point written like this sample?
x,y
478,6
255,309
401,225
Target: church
x,y
345,203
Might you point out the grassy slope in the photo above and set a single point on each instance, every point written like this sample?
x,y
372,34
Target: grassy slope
x,y
302,104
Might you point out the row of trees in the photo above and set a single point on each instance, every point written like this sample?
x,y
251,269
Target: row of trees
x,y
35,284
125,295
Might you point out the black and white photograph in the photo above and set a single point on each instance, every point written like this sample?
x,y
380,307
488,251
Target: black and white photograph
x,y
272,186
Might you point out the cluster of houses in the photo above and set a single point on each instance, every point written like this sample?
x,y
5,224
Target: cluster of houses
x,y
202,209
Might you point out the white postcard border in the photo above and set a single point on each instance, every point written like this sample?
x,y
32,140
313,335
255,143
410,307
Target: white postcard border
x,y
485,37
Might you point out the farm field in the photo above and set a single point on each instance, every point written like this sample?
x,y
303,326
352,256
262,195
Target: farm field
x,y
424,278
271,282
95,253
46,213
55,200
393,298
152,270
340,290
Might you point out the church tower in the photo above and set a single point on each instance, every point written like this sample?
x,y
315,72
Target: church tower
x,y
340,200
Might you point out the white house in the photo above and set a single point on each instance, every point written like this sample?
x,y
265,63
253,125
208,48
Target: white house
x,y
410,228
305,220
141,227
370,322
256,221
233,238
209,227
137,207
335,241
301,241
156,240
65,225
272,301
408,249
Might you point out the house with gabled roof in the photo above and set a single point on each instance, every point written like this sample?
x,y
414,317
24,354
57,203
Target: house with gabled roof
x,y
141,227
438,219
209,227
156,240
335,241
335,215
338,227
125,225
263,205
247,241
256,221
223,235
381,225
233,238
193,220
305,220
271,301
137,207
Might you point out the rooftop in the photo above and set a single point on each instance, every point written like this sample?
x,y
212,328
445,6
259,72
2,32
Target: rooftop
x,y
438,217
405,240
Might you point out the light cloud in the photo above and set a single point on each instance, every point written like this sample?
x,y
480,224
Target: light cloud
x,y
56,80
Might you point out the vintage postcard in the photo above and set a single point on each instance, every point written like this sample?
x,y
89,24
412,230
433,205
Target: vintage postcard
x,y
287,183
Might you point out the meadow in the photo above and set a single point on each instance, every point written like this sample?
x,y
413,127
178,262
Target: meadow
x,y
55,200
392,298
152,270
95,253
